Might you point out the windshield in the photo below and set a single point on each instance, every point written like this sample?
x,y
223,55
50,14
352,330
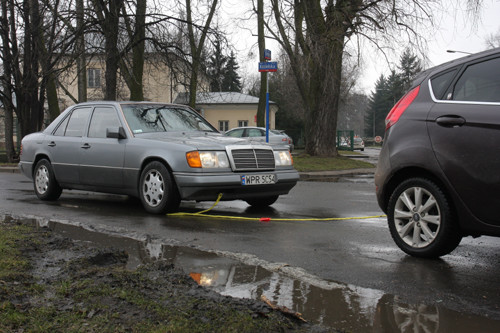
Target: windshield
x,y
147,118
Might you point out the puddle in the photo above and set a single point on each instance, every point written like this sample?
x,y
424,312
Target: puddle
x,y
344,307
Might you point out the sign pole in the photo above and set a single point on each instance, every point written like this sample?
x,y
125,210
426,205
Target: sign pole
x,y
267,108
267,66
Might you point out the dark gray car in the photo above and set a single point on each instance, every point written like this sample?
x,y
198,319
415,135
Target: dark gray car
x,y
160,153
438,175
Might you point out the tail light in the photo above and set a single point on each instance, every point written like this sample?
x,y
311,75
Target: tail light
x,y
400,107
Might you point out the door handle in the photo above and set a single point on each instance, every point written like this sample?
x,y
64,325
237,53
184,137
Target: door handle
x,y
450,121
85,146
51,144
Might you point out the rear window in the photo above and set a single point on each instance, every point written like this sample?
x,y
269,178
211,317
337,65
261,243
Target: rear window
x,y
441,83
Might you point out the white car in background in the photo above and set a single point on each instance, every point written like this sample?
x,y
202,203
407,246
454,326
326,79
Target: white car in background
x,y
276,137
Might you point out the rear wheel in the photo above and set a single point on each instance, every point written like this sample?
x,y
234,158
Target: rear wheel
x,y
421,220
262,202
44,181
157,189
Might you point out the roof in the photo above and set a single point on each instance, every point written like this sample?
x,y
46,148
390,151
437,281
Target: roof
x,y
219,98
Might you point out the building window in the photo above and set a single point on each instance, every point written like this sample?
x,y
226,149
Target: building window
x,y
223,125
94,78
242,123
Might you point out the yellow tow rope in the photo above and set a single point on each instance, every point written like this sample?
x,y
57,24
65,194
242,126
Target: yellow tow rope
x,y
268,219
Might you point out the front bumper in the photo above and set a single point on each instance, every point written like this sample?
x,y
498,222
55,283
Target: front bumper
x,y
203,187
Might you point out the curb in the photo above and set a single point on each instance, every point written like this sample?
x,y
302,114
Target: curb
x,y
9,169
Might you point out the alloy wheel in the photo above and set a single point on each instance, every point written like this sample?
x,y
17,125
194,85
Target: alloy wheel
x,y
417,217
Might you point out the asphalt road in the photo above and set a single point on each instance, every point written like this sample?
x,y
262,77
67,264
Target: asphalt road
x,y
356,252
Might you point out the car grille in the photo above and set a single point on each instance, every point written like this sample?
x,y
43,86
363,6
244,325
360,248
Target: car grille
x,y
253,159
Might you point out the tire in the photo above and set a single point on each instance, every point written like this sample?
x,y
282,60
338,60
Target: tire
x,y
421,220
44,182
157,190
262,202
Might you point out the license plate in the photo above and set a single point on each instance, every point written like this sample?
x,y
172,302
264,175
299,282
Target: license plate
x,y
258,179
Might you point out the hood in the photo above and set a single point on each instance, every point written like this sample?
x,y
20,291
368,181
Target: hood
x,y
199,140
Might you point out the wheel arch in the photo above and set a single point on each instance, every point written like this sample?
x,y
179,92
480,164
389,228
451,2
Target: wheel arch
x,y
150,159
37,159
414,172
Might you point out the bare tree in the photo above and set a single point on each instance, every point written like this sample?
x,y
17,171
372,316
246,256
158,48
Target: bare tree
x,y
315,33
196,44
493,40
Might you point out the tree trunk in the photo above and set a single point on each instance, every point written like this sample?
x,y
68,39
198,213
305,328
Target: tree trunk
x,y
30,109
6,97
110,26
81,66
136,86
52,98
261,108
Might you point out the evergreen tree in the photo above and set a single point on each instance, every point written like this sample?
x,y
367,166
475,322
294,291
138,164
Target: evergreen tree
x,y
409,67
380,103
232,81
216,68
388,90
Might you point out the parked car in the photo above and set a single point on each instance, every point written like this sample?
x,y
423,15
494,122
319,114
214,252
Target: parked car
x,y
161,153
438,175
258,134
358,144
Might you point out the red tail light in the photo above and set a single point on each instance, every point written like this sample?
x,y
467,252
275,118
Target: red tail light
x,y
400,107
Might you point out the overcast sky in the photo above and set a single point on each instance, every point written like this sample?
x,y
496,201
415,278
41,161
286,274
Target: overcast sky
x,y
455,31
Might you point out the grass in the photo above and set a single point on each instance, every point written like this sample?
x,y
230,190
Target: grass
x,y
303,162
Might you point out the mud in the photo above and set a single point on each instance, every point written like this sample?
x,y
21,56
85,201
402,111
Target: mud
x,y
97,292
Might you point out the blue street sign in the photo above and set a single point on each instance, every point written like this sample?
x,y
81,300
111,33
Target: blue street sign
x,y
271,66
267,54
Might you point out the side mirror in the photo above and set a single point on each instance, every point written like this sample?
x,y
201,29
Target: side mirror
x,y
116,133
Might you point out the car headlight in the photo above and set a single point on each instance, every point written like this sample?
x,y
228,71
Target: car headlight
x,y
282,158
207,159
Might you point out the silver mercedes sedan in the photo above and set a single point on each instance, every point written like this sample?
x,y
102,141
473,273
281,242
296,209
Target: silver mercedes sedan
x,y
160,153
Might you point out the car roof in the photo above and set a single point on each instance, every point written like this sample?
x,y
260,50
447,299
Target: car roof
x,y
116,103
453,63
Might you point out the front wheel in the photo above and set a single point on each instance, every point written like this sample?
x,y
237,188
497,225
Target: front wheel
x,y
157,189
44,181
262,202
421,220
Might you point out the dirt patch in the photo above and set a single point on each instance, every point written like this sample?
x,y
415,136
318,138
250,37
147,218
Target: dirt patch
x,y
51,283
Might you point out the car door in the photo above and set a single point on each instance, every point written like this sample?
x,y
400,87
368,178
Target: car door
x,y
102,158
464,129
64,145
256,134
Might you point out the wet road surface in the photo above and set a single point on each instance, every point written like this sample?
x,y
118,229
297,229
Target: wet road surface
x,y
347,274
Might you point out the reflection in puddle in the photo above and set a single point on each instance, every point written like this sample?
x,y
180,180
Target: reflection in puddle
x,y
344,307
